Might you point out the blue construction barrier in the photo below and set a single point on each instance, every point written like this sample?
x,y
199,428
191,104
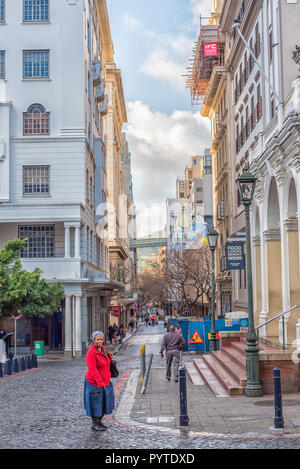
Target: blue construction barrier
x,y
203,328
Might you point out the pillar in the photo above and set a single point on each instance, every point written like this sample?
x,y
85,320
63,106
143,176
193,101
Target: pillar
x,y
78,328
68,327
292,241
67,241
272,240
257,279
77,241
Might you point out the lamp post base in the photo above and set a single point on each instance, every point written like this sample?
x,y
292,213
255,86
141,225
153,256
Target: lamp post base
x,y
213,344
253,387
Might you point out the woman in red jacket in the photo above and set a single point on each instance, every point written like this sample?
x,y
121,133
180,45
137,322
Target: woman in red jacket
x,y
98,390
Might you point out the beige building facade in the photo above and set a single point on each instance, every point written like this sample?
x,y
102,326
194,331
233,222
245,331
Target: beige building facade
x,y
252,99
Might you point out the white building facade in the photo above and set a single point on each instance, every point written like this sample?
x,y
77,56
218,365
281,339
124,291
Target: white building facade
x,y
52,162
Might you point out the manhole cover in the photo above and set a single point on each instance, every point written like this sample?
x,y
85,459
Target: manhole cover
x,y
271,403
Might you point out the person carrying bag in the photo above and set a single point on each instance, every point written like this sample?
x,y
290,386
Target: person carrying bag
x,y
98,389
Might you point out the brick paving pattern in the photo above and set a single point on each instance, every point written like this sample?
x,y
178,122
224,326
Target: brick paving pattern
x,y
44,410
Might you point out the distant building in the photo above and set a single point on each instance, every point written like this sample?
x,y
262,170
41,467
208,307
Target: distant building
x,y
189,215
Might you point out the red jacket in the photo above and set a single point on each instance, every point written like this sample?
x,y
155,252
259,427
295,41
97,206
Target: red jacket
x,y
98,373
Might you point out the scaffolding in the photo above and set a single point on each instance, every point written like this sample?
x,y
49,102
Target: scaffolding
x,y
207,54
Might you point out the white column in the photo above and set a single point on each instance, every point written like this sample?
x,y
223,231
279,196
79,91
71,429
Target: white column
x,y
77,241
67,242
78,328
68,327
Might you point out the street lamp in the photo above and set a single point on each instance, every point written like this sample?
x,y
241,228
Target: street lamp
x,y
246,185
212,237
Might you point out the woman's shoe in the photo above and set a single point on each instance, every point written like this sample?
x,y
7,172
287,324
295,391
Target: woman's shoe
x,y
101,423
96,426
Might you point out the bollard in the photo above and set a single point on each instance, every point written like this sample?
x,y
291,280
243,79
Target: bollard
x,y
34,361
22,366
15,365
180,358
278,421
147,374
143,361
27,362
7,367
184,419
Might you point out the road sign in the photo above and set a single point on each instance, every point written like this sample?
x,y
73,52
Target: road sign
x,y
18,315
196,339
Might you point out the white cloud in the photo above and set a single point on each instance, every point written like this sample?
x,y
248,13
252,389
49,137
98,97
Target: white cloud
x,y
130,21
201,7
161,146
168,60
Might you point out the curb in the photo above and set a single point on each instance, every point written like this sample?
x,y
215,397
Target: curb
x,y
121,417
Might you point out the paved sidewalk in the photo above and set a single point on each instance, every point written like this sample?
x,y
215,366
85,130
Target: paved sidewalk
x,y
160,406
59,356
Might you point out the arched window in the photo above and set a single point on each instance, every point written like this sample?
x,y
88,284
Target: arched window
x,y
36,120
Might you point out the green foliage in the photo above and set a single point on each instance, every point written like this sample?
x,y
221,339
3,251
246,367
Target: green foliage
x,y
24,290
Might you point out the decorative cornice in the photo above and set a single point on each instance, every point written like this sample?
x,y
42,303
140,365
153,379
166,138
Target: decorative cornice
x,y
291,224
256,240
273,234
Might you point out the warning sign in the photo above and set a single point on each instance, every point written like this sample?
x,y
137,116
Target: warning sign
x,y
196,339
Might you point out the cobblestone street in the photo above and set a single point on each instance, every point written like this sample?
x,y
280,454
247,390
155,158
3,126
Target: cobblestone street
x,y
43,409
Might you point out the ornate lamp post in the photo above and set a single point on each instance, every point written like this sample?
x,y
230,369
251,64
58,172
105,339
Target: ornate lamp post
x,y
212,237
246,185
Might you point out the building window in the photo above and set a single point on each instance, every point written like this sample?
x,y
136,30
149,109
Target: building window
x,y
36,120
36,64
272,108
259,104
40,241
270,45
36,10
2,64
36,179
2,11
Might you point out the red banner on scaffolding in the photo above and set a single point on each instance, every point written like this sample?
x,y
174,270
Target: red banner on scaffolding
x,y
210,49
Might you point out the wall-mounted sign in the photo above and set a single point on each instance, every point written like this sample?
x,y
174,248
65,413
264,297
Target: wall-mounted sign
x,y
210,49
235,257
115,310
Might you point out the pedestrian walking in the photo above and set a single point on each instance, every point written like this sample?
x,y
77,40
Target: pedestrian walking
x,y
111,332
172,343
178,330
147,319
98,389
131,325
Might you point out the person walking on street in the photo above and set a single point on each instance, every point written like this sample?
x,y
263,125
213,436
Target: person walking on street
x,y
178,330
147,319
98,389
111,332
131,325
172,342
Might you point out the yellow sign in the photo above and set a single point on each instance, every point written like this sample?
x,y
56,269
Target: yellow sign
x,y
196,339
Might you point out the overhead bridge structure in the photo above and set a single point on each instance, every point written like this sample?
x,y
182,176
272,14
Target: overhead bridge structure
x,y
148,243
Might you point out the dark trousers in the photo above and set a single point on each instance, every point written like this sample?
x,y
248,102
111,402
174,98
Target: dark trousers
x,y
172,357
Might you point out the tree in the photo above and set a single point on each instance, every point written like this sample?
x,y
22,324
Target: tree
x,y
24,290
188,274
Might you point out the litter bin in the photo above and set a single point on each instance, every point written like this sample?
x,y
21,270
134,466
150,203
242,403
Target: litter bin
x,y
39,348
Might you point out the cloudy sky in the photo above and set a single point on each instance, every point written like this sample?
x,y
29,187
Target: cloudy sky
x,y
153,44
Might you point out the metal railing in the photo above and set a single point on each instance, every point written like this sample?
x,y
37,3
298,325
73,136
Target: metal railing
x,y
283,324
